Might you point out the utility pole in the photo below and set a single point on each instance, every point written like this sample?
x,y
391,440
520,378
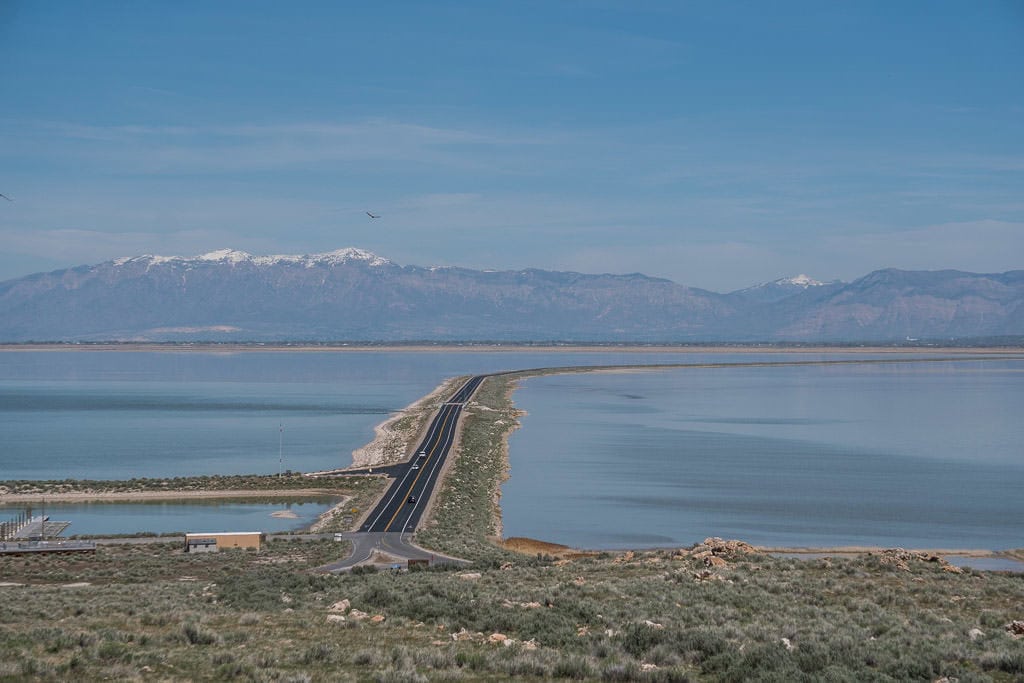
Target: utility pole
x,y
280,450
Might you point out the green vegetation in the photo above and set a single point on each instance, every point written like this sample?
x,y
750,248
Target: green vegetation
x,y
464,519
150,611
234,482
153,611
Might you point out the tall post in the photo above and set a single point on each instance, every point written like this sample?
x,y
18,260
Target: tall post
x,y
280,450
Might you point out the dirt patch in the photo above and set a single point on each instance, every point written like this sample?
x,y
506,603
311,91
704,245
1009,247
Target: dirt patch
x,y
531,546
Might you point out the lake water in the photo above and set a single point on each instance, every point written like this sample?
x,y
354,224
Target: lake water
x,y
916,455
125,414
909,454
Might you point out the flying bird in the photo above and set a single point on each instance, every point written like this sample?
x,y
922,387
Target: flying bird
x,y
371,215
6,197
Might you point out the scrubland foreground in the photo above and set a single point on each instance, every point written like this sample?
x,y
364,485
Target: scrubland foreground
x,y
716,611
152,612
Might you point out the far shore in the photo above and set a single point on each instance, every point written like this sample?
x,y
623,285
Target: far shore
x,y
240,347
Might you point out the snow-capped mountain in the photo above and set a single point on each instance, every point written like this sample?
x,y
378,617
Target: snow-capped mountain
x,y
351,294
235,257
777,290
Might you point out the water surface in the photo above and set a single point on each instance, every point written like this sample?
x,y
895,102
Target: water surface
x,y
124,414
914,455
160,517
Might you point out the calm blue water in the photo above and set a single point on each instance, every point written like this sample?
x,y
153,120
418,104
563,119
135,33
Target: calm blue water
x,y
118,415
160,517
914,455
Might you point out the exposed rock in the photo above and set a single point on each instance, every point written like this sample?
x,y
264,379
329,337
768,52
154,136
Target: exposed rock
x,y
377,618
582,631
714,551
497,638
647,666
530,644
469,576
975,633
1015,628
787,644
706,575
625,557
357,615
902,559
335,618
579,581
720,546
653,624
340,606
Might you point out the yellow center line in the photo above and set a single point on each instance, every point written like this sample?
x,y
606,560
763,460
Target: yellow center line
x,y
422,468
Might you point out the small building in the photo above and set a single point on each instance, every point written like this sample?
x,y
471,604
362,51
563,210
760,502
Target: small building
x,y
212,542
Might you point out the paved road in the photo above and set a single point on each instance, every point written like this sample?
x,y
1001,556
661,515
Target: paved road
x,y
378,548
403,504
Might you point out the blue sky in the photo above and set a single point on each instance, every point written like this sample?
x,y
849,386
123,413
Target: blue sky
x,y
715,144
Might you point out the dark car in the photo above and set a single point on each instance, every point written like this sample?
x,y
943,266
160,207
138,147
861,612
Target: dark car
x,y
412,499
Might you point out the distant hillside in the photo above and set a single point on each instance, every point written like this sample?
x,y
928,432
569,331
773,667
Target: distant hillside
x,y
352,294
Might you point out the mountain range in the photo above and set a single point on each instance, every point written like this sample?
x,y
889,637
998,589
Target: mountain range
x,y
354,295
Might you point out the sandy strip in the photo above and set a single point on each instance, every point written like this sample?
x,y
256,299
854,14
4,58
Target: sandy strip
x,y
393,444
85,496
496,348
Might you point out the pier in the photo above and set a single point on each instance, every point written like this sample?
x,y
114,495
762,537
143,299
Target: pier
x,y
30,533
32,528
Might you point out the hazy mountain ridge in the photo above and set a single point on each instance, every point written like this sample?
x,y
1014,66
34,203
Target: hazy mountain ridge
x,y
351,294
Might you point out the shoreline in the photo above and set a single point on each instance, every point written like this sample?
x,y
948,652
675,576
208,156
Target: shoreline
x,y
392,443
276,347
506,462
131,496
514,380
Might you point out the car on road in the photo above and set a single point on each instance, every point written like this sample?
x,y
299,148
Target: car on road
x,y
415,467
412,499
423,454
